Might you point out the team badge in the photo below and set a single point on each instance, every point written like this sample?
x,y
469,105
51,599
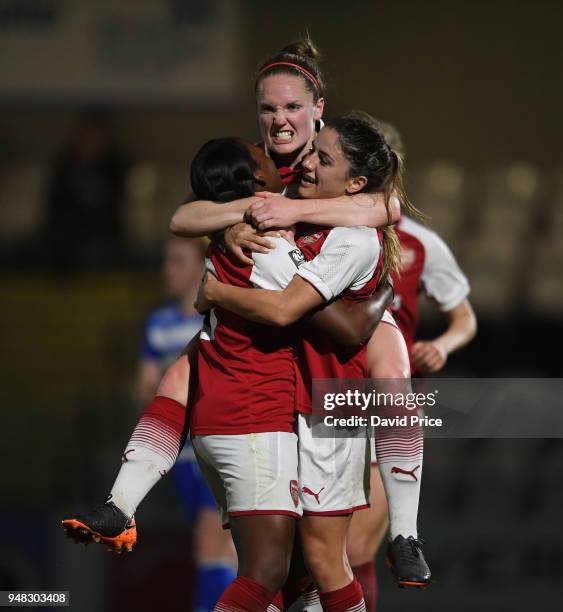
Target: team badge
x,y
294,492
407,258
297,257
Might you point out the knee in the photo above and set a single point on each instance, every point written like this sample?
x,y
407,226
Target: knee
x,y
213,543
178,371
174,382
270,572
358,549
323,560
388,356
269,566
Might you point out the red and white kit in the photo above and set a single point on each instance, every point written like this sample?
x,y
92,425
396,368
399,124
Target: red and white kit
x,y
333,472
427,265
243,412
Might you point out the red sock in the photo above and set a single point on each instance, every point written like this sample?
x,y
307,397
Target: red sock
x,y
366,576
347,599
169,411
244,595
162,428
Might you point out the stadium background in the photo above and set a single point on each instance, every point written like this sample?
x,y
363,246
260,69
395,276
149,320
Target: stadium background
x,y
475,89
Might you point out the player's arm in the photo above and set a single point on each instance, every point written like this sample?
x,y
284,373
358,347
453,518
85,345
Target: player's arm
x,y
203,217
354,253
353,324
348,324
345,211
430,356
445,285
279,308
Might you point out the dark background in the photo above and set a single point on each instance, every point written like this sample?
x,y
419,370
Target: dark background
x,y
475,89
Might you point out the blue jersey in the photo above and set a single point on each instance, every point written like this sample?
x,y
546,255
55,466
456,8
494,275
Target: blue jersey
x,y
167,331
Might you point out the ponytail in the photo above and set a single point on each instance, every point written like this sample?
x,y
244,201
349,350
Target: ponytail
x,y
391,254
395,185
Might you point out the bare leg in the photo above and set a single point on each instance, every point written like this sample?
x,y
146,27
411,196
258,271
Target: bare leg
x,y
368,526
324,547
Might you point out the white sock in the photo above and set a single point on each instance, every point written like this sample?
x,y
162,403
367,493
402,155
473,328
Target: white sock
x,y
401,480
399,457
149,455
311,601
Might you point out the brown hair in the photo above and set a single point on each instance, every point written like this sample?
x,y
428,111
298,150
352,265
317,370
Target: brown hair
x,y
299,58
392,136
364,146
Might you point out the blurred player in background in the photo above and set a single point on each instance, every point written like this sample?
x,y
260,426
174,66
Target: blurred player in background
x,y
168,330
429,268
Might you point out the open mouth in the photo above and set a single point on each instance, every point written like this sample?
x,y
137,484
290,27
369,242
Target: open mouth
x,y
282,136
308,180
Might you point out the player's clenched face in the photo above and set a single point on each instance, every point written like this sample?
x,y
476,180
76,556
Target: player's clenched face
x,y
287,115
266,176
326,172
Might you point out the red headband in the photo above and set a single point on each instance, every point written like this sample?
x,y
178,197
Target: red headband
x,y
303,71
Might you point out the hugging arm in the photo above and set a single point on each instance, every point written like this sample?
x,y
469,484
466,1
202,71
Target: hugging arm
x,y
352,251
348,324
353,324
203,217
366,209
279,308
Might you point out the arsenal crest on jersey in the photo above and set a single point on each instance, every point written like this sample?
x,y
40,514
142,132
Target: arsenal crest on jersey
x,y
407,258
294,491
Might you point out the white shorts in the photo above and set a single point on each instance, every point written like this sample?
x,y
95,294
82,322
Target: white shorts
x,y
334,473
251,473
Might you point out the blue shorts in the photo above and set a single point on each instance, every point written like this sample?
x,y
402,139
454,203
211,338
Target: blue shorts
x,y
190,484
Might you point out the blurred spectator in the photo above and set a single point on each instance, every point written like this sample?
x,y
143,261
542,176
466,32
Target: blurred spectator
x,y
85,200
169,328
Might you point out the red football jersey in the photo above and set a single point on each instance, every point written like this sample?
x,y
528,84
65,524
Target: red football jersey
x,y
246,376
427,265
341,262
